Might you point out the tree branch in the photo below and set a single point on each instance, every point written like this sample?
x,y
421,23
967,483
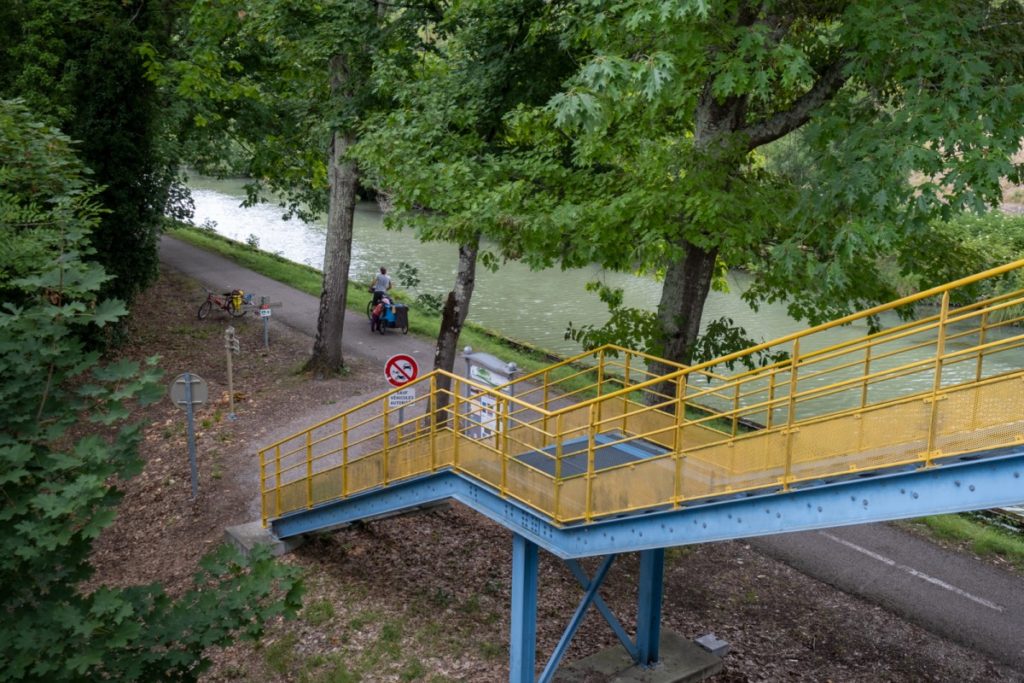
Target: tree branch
x,y
784,122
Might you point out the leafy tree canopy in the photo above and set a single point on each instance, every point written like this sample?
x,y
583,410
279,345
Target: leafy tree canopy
x,y
64,437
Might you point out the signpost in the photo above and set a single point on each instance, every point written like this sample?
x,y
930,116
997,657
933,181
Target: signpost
x,y
188,390
401,369
265,311
231,345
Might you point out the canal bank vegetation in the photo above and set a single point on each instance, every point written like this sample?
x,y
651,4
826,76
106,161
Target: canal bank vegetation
x,y
422,321
983,533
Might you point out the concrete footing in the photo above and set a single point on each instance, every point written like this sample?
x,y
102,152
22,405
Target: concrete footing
x,y
245,537
682,661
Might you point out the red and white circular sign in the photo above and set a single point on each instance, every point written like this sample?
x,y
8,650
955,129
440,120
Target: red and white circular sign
x,y
401,369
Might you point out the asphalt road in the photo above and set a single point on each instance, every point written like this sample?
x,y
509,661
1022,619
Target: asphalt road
x,y
953,595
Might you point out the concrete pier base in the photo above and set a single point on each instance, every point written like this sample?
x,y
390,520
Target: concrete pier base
x,y
247,536
681,661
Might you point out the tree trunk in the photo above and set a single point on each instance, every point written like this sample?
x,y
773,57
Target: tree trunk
x,y
686,287
343,175
453,317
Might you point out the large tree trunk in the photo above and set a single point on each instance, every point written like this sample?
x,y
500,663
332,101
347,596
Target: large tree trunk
x,y
686,287
343,175
453,317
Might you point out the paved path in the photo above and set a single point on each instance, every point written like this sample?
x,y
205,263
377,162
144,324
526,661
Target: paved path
x,y
953,595
299,310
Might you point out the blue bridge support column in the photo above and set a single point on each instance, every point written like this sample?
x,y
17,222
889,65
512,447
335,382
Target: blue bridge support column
x,y
648,616
523,632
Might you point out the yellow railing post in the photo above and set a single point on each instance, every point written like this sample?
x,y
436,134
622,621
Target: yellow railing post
x,y
544,425
979,368
771,399
982,334
940,351
263,489
677,439
432,407
501,438
867,371
344,455
625,396
558,467
600,381
736,410
791,413
384,458
455,423
591,426
277,481
309,469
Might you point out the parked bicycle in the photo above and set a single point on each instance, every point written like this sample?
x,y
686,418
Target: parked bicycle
x,y
234,302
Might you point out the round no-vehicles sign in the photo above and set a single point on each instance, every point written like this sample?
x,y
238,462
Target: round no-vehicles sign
x,y
401,369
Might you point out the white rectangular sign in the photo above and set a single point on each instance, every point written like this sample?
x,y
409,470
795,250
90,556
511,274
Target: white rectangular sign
x,y
265,313
485,376
402,397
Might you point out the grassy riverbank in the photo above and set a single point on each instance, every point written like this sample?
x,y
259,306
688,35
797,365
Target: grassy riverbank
x,y
309,280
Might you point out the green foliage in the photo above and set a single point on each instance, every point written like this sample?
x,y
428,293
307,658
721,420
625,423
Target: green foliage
x,y
76,66
64,437
907,112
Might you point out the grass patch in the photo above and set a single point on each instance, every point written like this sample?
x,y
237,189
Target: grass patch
x,y
280,655
318,612
981,537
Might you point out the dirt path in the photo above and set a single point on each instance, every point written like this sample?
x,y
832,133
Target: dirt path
x,y
426,597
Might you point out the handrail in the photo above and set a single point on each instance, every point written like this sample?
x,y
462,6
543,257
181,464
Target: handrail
x,y
898,411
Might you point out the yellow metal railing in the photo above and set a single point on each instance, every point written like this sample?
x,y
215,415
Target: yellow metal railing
x,y
947,383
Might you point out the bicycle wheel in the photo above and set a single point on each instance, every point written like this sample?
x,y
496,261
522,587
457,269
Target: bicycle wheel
x,y
236,311
205,308
369,310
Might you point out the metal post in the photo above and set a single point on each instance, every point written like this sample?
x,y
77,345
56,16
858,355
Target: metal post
x,y
229,344
736,411
263,489
625,395
501,440
791,412
193,467
433,422
677,439
384,457
558,467
309,469
940,351
544,426
277,481
590,464
523,630
344,455
982,334
266,323
867,371
648,619
771,399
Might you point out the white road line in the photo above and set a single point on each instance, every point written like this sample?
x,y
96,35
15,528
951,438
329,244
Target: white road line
x,y
913,572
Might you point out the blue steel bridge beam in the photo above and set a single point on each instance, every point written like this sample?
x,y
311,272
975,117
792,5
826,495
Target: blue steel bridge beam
x,y
995,481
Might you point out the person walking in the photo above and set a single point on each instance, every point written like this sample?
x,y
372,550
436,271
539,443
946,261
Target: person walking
x,y
381,284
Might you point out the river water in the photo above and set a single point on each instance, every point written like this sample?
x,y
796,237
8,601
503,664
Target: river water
x,y
529,306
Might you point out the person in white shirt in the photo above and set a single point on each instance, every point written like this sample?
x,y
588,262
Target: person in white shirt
x,y
381,284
